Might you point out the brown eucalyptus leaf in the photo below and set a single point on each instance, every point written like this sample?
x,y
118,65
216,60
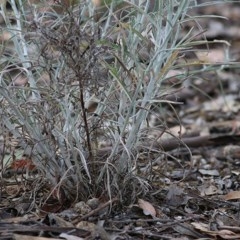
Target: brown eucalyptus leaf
x,y
147,207
232,195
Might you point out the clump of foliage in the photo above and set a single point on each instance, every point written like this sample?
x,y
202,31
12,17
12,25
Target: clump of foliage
x,y
93,74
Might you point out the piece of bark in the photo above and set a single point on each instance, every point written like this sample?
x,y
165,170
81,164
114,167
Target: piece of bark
x,y
174,143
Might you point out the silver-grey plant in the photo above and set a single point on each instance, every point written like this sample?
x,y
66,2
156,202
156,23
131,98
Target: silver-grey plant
x,y
72,60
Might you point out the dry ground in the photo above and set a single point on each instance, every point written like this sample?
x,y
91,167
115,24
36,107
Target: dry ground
x,y
195,185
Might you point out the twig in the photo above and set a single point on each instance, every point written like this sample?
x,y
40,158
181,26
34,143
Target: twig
x,y
166,222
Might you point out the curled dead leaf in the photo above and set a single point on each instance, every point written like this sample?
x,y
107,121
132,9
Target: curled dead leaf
x,y
147,207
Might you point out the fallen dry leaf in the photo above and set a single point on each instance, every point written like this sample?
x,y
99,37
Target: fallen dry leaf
x,y
211,56
232,195
70,237
96,230
26,237
23,164
176,196
213,172
147,207
208,189
225,234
